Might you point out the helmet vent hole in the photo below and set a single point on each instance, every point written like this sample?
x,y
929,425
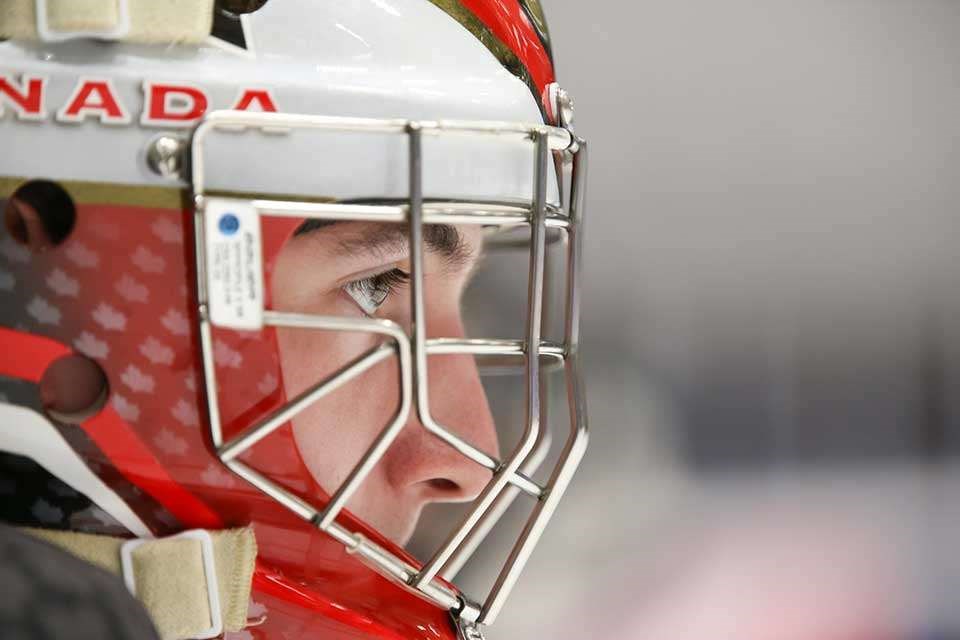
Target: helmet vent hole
x,y
40,214
73,388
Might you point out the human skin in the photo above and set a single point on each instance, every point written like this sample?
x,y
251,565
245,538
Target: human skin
x,y
310,276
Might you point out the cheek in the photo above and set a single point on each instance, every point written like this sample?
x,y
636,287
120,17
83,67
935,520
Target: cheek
x,y
333,432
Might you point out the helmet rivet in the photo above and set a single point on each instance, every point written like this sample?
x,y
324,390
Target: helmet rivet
x,y
165,155
565,109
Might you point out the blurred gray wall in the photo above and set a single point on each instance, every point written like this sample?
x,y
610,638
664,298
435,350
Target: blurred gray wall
x,y
774,198
770,262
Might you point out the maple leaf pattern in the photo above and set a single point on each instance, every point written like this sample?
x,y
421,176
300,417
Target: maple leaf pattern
x,y
156,352
124,408
109,318
131,290
268,384
224,356
167,231
186,413
169,442
137,379
43,312
88,344
94,513
175,322
14,252
147,261
63,284
82,256
46,513
216,476
106,230
7,281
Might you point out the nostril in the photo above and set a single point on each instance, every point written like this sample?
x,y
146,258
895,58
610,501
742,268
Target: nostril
x,y
444,485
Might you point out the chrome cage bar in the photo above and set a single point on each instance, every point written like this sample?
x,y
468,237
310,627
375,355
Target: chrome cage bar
x,y
511,476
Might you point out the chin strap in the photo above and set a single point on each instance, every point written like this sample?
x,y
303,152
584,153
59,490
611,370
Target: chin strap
x,y
144,21
194,585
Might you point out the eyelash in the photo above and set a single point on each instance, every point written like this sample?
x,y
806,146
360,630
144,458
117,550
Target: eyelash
x,y
372,292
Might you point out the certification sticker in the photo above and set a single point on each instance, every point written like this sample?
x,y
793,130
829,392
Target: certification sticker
x,y
234,263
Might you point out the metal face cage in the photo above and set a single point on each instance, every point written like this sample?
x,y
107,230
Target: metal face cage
x,y
512,475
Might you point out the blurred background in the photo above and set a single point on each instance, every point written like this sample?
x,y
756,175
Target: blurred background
x,y
771,335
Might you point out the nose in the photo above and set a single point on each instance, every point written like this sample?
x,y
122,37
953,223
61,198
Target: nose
x,y
424,464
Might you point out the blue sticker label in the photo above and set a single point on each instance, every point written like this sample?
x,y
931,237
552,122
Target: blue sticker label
x,y
234,263
228,224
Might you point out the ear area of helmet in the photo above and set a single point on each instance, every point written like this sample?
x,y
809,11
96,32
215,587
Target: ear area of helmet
x,y
39,215
73,388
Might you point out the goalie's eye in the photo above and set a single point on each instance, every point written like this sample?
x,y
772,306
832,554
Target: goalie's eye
x,y
371,292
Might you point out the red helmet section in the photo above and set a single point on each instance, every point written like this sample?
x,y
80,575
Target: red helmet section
x,y
119,290
507,20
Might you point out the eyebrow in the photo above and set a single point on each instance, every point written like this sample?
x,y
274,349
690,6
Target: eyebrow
x,y
382,239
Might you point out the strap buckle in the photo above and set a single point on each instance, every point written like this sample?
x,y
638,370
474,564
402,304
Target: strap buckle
x,y
119,30
209,569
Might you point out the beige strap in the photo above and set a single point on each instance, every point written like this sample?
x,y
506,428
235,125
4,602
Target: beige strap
x,y
170,578
144,21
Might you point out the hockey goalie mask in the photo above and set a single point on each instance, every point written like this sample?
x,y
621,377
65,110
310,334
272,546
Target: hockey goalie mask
x,y
233,280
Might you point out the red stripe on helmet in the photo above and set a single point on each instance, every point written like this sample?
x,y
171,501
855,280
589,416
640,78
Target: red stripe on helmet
x,y
132,458
510,24
29,355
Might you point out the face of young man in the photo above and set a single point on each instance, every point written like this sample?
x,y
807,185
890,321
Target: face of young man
x,y
362,269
